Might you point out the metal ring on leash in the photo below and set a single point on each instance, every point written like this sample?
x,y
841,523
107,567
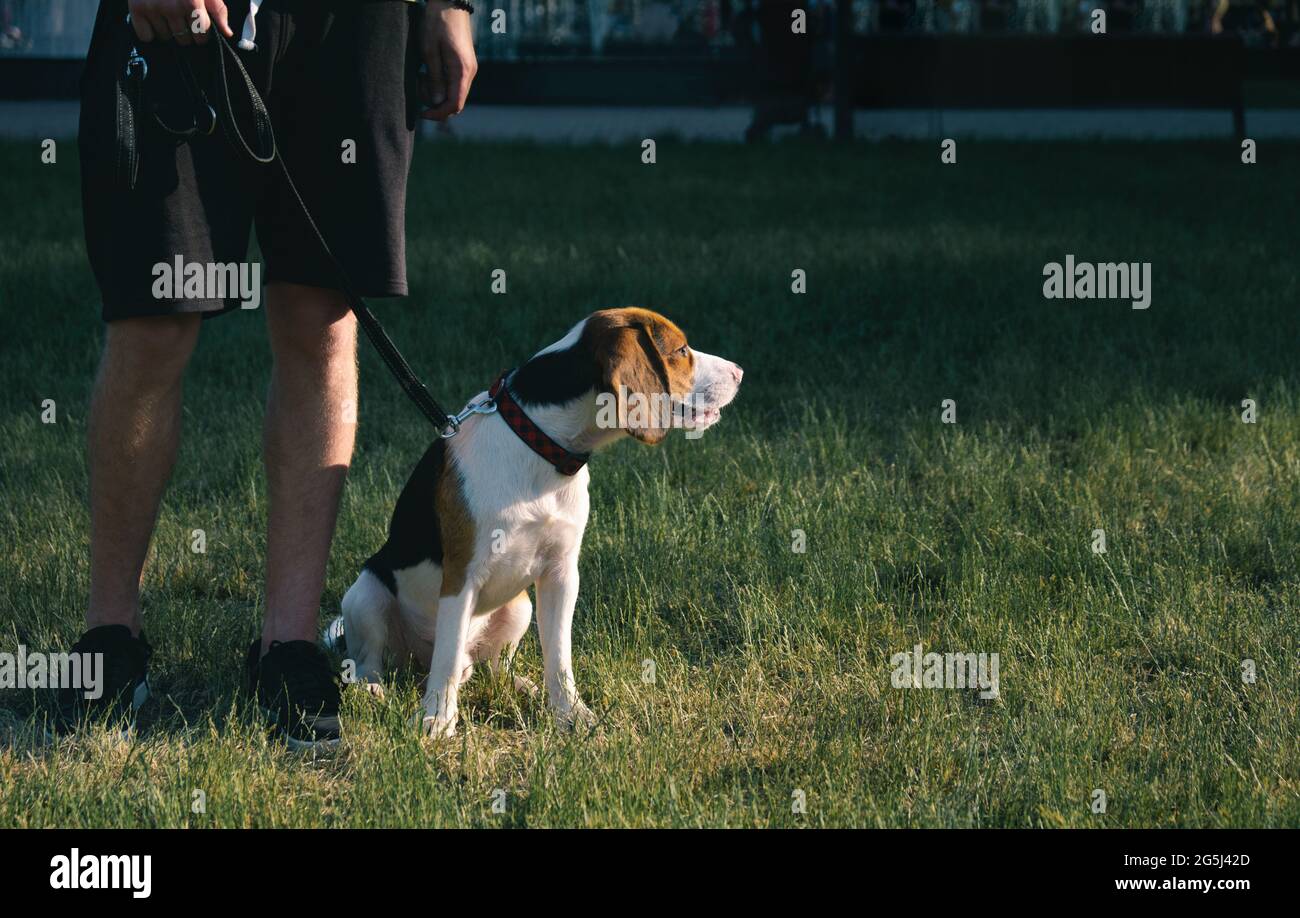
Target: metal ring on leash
x,y
487,406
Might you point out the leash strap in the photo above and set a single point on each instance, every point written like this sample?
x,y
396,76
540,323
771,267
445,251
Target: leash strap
x,y
129,102
264,153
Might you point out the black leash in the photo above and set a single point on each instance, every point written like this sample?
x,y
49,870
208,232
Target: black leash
x,y
129,104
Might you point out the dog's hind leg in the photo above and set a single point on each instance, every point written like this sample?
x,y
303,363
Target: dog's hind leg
x,y
367,606
499,638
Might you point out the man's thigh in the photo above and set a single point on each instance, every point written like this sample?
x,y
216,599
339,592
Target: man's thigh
x,y
344,108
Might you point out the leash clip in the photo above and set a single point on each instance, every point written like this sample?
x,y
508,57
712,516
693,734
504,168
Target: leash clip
x,y
135,58
487,406
134,61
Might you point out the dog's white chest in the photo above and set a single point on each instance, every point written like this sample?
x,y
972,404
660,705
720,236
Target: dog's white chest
x,y
527,539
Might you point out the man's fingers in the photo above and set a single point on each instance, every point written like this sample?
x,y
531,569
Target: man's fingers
x,y
455,87
142,25
466,80
221,16
434,82
161,30
142,30
458,91
454,103
178,27
441,112
431,91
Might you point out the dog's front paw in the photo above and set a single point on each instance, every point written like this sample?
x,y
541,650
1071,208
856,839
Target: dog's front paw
x,y
373,689
438,727
575,716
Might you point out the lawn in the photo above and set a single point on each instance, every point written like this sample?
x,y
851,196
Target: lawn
x,y
1120,672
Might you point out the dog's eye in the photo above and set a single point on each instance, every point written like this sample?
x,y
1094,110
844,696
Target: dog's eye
x,y
683,351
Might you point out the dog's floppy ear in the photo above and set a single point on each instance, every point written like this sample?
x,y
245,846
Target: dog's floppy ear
x,y
634,371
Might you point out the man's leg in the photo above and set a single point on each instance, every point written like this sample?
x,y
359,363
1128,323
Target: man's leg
x,y
310,428
134,431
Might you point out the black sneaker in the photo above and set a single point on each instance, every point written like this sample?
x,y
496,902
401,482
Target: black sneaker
x,y
124,675
297,689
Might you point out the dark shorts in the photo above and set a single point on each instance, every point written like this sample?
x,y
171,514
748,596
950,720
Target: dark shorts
x,y
330,71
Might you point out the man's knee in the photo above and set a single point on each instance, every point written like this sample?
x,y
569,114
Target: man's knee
x,y
156,347
310,324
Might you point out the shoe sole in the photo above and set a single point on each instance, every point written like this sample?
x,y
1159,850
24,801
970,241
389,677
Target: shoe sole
x,y
141,694
138,698
299,745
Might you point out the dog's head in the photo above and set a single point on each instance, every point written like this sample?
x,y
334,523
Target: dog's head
x,y
639,372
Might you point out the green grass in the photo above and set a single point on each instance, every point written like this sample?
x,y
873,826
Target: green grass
x,y
1119,671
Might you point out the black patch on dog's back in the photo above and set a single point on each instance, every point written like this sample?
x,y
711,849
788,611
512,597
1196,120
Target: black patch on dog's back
x,y
414,533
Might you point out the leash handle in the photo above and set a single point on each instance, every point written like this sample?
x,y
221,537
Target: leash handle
x,y
388,352
128,103
261,117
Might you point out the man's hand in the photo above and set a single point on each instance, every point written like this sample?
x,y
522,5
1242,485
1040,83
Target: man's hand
x,y
184,21
447,48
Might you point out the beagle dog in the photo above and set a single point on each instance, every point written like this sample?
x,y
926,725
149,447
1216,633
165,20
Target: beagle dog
x,y
503,503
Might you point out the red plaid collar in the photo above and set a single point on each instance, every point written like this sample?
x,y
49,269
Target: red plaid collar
x,y
565,462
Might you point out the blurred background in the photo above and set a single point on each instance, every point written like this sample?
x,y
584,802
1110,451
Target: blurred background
x,y
914,58
61,28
